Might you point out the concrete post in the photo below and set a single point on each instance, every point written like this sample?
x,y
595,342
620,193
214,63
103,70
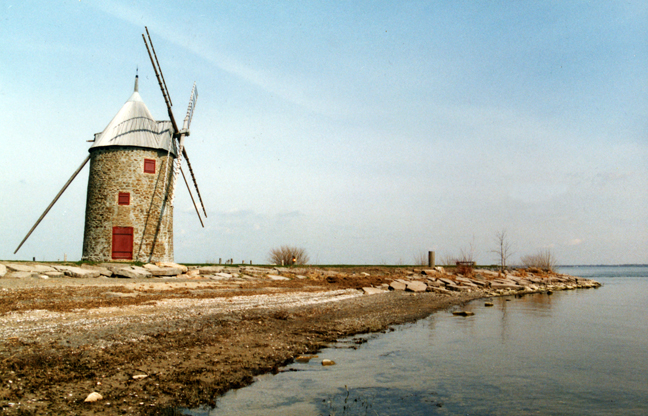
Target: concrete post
x,y
431,262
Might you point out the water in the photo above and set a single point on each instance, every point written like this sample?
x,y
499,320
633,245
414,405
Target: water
x,y
571,353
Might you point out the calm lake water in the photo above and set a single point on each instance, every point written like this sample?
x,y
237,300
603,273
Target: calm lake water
x,y
582,352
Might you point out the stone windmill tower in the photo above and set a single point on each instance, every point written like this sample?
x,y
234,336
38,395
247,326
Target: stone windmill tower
x,y
134,164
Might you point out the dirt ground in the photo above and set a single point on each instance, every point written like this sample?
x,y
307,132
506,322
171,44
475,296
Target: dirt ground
x,y
150,345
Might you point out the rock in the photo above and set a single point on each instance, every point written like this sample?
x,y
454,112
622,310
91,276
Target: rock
x,y
163,271
55,274
3,270
224,275
396,285
165,264
498,285
211,269
21,275
429,272
305,358
365,274
103,270
93,397
133,272
435,283
439,269
193,273
466,282
34,268
328,362
456,288
277,277
489,304
439,290
416,286
77,272
372,290
446,281
254,271
463,313
140,376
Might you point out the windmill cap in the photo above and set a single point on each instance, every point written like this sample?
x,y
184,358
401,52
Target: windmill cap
x,y
135,126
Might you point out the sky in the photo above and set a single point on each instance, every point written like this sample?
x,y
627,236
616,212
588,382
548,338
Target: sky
x,y
366,132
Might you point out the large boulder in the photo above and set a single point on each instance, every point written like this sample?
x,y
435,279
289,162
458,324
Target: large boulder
x,y
396,285
166,264
103,270
34,268
77,272
163,271
416,286
133,272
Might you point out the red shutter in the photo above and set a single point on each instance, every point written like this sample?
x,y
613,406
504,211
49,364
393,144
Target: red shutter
x,y
124,198
149,165
122,243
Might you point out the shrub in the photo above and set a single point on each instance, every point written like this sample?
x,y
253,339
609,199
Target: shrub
x,y
288,255
543,259
421,258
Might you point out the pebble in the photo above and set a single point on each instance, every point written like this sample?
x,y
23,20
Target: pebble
x,y
93,397
463,313
328,362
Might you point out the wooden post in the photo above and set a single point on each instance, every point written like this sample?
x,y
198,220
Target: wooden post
x,y
431,262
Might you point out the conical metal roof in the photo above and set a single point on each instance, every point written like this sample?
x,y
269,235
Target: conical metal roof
x,y
134,126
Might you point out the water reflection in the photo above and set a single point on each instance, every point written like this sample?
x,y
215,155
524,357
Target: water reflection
x,y
538,354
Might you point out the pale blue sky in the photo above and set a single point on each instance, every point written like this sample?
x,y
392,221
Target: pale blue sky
x,y
363,131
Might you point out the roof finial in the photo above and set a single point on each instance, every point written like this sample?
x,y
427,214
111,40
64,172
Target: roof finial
x,y
136,78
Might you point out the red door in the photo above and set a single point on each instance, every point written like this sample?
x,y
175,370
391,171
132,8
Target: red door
x,y
122,243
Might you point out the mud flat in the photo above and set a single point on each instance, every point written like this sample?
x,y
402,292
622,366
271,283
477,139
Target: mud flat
x,y
147,339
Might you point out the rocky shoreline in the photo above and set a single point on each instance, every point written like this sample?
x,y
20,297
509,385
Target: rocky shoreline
x,y
148,339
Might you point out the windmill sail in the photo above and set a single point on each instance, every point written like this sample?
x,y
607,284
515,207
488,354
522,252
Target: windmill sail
x,y
56,198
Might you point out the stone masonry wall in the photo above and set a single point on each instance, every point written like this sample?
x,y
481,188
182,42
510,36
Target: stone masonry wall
x,y
121,169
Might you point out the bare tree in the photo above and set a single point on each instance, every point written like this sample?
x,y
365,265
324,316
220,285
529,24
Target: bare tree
x,y
288,255
503,249
543,259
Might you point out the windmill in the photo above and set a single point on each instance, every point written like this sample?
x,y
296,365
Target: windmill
x,y
134,165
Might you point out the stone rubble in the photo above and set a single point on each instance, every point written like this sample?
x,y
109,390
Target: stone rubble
x,y
440,280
